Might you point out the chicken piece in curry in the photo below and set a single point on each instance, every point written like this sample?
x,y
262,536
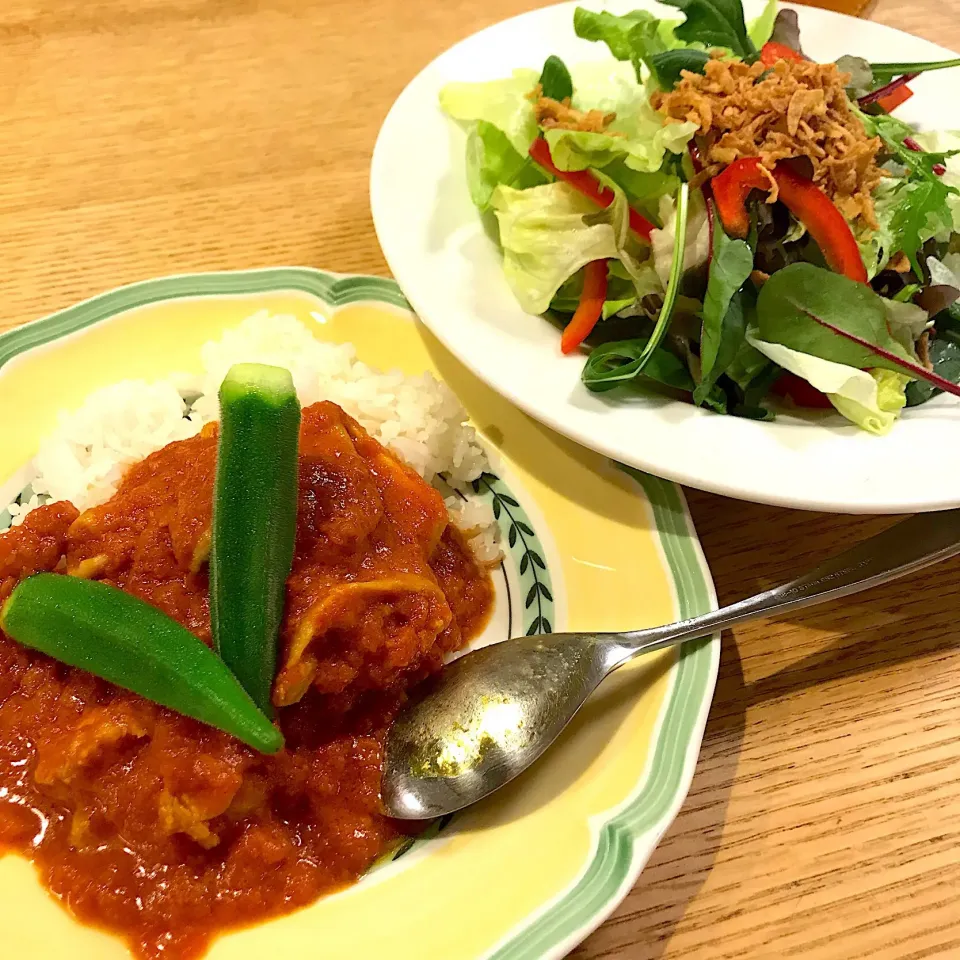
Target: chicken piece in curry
x,y
165,830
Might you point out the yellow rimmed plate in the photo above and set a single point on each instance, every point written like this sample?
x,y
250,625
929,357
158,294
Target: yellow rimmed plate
x,y
530,872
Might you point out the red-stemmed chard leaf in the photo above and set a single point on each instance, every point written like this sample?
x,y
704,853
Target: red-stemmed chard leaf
x,y
914,369
814,311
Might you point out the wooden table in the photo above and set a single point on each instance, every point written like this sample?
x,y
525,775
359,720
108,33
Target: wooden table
x,y
143,137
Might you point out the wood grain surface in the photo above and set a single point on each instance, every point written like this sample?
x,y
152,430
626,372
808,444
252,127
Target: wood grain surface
x,y
144,137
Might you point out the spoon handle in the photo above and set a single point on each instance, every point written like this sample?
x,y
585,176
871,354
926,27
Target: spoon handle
x,y
910,545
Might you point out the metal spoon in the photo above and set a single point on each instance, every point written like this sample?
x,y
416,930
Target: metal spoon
x,y
494,711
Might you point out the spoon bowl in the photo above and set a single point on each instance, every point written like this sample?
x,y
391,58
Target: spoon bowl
x,y
493,712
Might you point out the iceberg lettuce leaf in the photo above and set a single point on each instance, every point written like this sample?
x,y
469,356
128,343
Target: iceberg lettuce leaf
x,y
872,399
549,232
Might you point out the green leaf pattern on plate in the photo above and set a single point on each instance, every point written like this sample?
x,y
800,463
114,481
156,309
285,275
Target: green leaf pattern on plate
x,y
525,551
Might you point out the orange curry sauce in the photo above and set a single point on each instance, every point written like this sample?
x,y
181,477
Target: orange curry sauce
x,y
166,831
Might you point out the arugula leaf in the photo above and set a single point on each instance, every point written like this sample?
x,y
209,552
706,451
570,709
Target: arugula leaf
x,y
945,360
894,133
792,300
715,23
909,212
923,204
724,316
555,80
916,207
606,364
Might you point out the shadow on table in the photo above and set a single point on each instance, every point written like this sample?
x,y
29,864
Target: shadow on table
x,y
911,618
744,543
642,926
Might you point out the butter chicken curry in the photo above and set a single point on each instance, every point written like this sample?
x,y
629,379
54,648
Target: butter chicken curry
x,y
163,829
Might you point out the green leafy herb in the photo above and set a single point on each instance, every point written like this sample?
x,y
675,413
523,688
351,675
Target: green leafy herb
x,y
945,360
724,324
755,390
924,203
607,362
795,300
861,76
668,66
887,71
908,292
821,314
715,23
555,80
893,132
598,377
919,205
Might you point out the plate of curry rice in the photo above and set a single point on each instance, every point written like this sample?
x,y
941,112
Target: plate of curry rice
x,y
158,800
719,242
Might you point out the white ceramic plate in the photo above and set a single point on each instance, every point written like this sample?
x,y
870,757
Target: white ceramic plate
x,y
450,272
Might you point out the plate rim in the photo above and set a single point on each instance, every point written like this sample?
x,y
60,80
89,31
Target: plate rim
x,y
624,837
804,496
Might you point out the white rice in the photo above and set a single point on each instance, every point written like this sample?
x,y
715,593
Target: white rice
x,y
418,418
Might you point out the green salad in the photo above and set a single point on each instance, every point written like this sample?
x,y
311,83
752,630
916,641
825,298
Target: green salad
x,y
711,213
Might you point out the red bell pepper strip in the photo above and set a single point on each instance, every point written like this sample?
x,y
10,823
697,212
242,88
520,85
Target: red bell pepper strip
x,y
730,191
800,392
803,198
590,307
824,222
887,91
896,99
772,51
584,182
